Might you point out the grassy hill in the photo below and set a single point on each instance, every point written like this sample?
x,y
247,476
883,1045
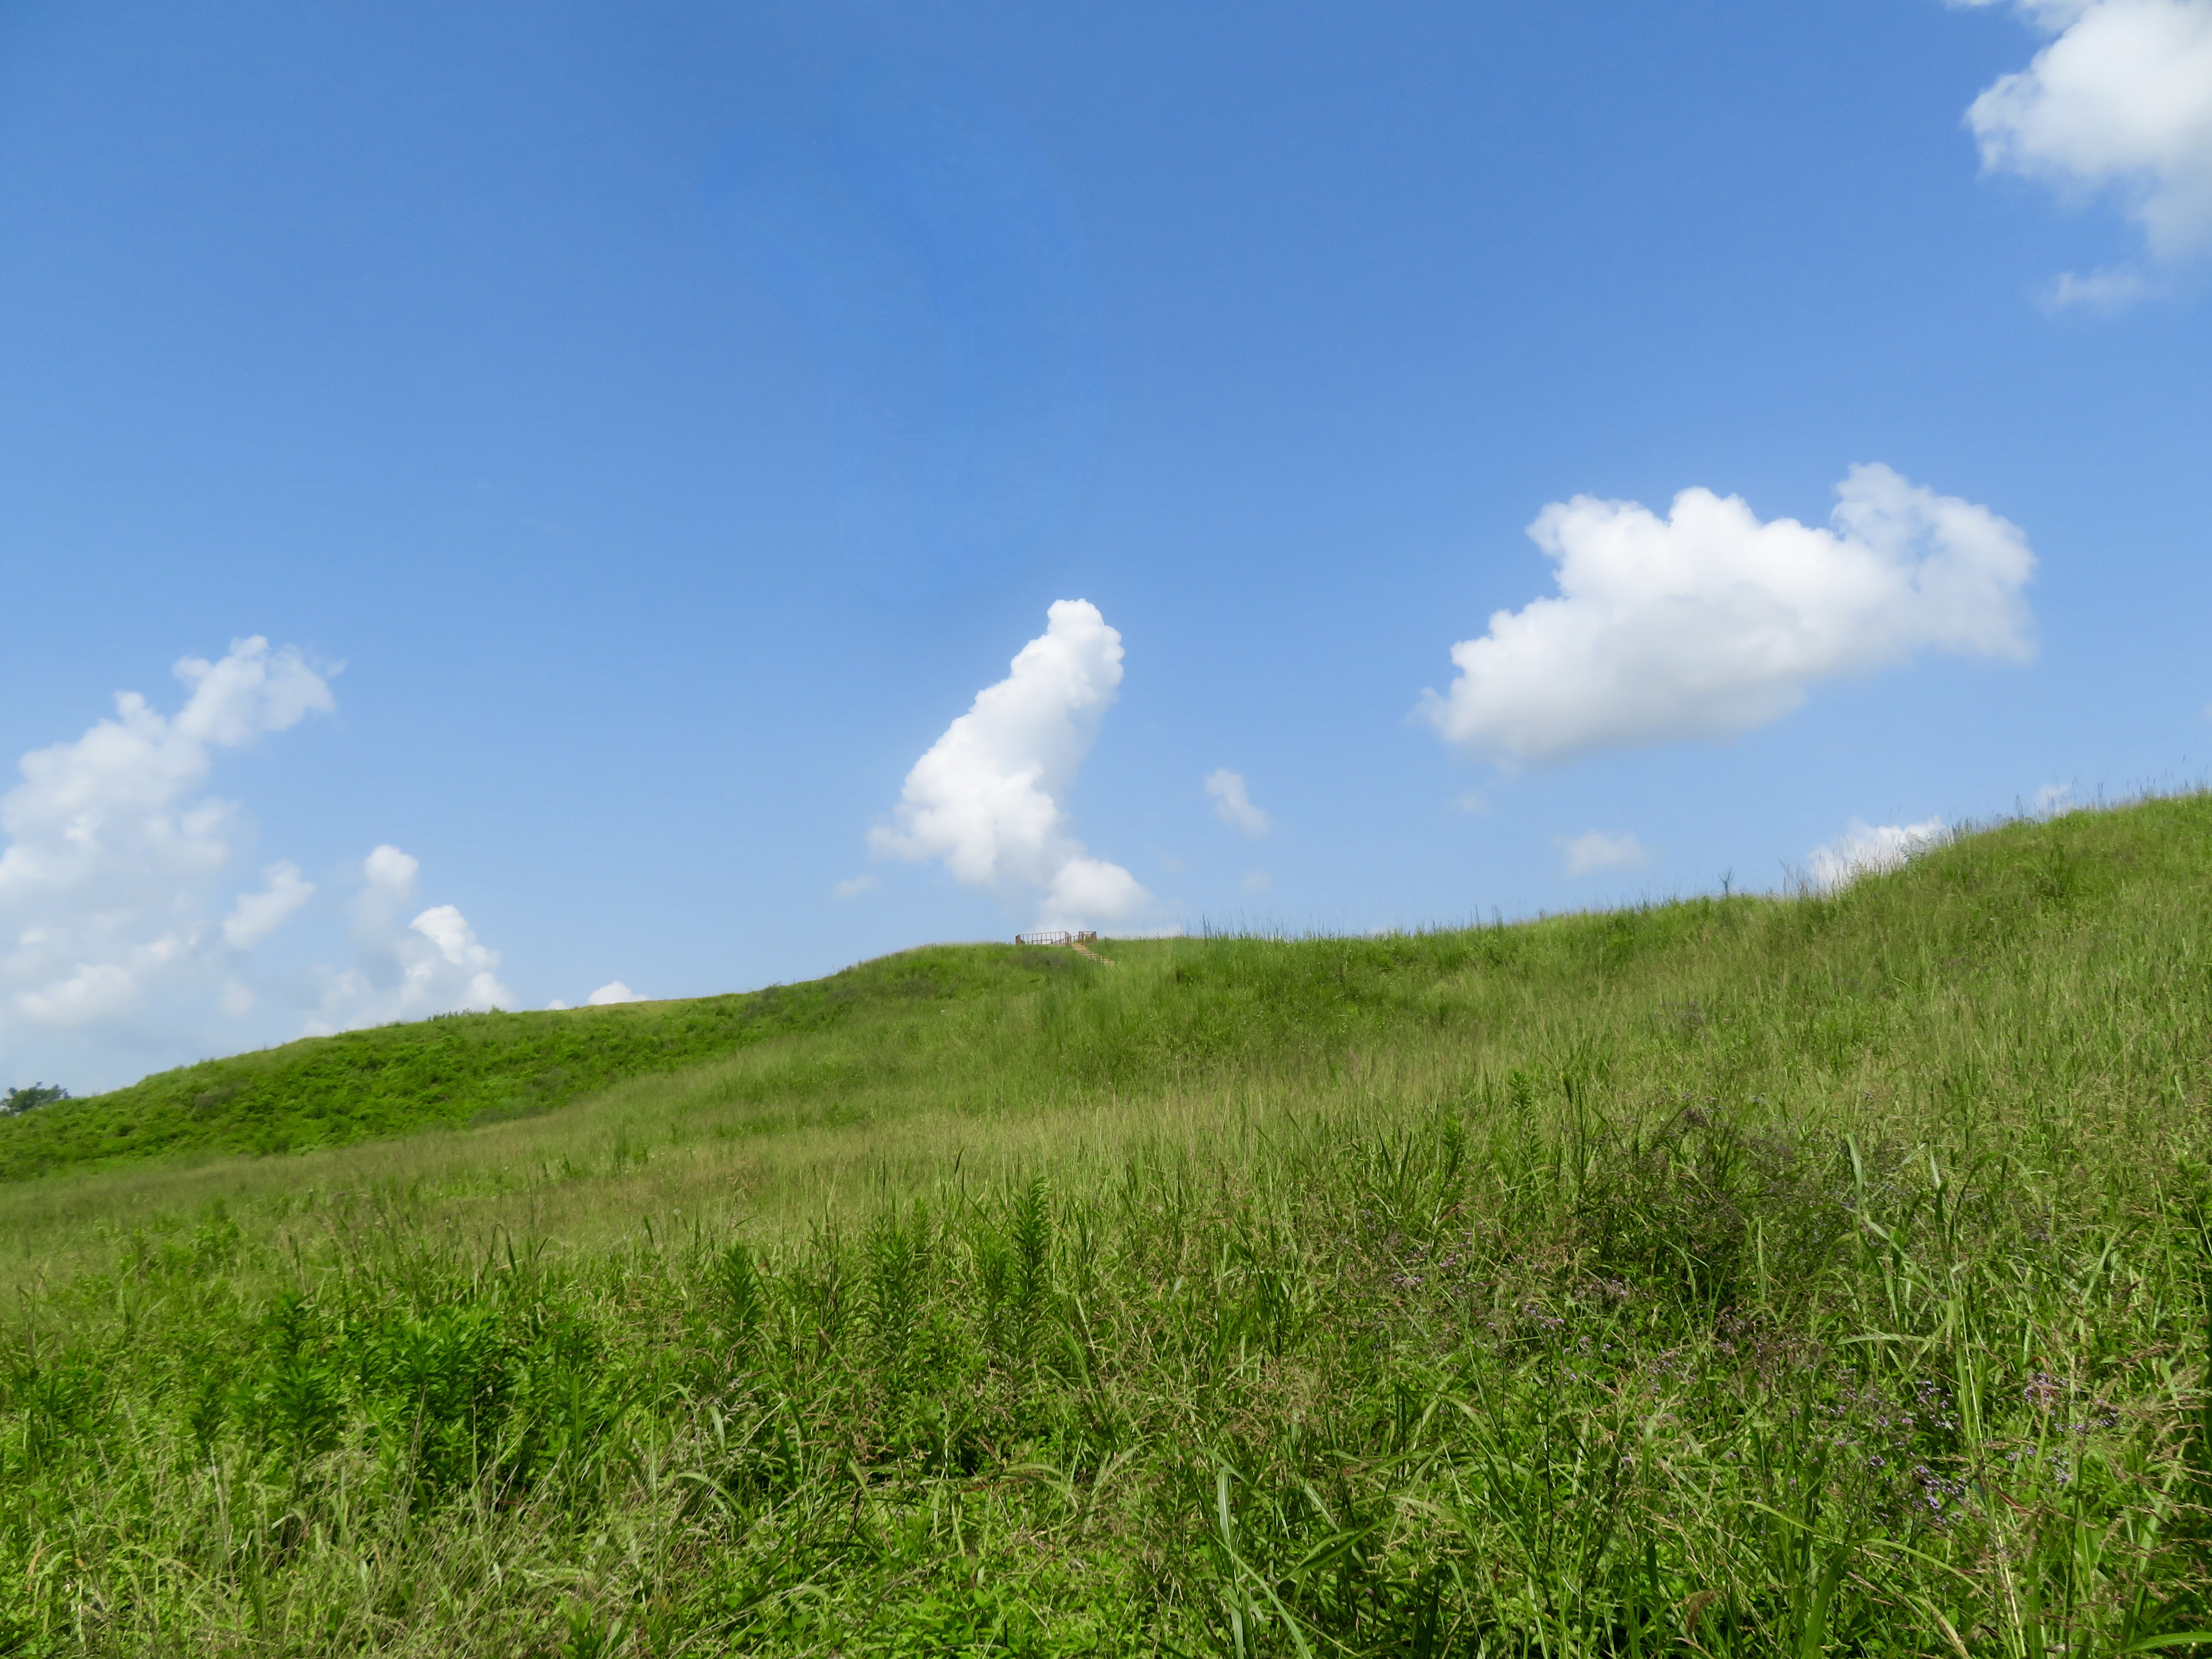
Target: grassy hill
x,y
474,1068
1822,1274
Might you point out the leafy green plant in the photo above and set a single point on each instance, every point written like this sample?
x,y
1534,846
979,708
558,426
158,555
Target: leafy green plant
x,y
15,1102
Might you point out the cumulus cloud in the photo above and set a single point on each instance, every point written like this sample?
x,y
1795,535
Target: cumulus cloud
x,y
613,992
433,965
1708,622
1868,849
115,857
1588,854
256,916
1258,881
2119,101
985,800
1232,804
128,939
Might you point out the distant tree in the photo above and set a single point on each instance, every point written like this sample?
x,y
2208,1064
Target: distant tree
x,y
16,1102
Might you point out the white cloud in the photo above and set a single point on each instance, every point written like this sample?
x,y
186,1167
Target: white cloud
x,y
256,916
2121,101
1709,623
1232,804
985,798
613,992
126,939
2054,800
1258,881
433,965
1868,849
1589,853
2101,290
854,887
115,861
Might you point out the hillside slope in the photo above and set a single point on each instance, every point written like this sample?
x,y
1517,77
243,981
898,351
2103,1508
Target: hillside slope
x,y
1823,1274
1042,1025
474,1068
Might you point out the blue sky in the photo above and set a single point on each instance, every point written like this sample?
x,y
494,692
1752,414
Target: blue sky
x,y
637,435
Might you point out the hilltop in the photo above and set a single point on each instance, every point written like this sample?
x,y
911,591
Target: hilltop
x,y
457,1069
1827,1273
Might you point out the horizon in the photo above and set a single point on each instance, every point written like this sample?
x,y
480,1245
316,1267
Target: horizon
x,y
1874,861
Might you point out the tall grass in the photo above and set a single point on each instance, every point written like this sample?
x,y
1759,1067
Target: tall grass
x,y
475,1068
1828,1274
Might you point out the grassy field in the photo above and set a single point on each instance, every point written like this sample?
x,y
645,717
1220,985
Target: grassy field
x,y
461,1069
1822,1274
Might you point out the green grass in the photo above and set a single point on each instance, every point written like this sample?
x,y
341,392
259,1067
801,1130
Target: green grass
x,y
1826,1274
473,1068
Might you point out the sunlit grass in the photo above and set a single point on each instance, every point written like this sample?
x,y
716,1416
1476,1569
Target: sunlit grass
x,y
1819,1274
